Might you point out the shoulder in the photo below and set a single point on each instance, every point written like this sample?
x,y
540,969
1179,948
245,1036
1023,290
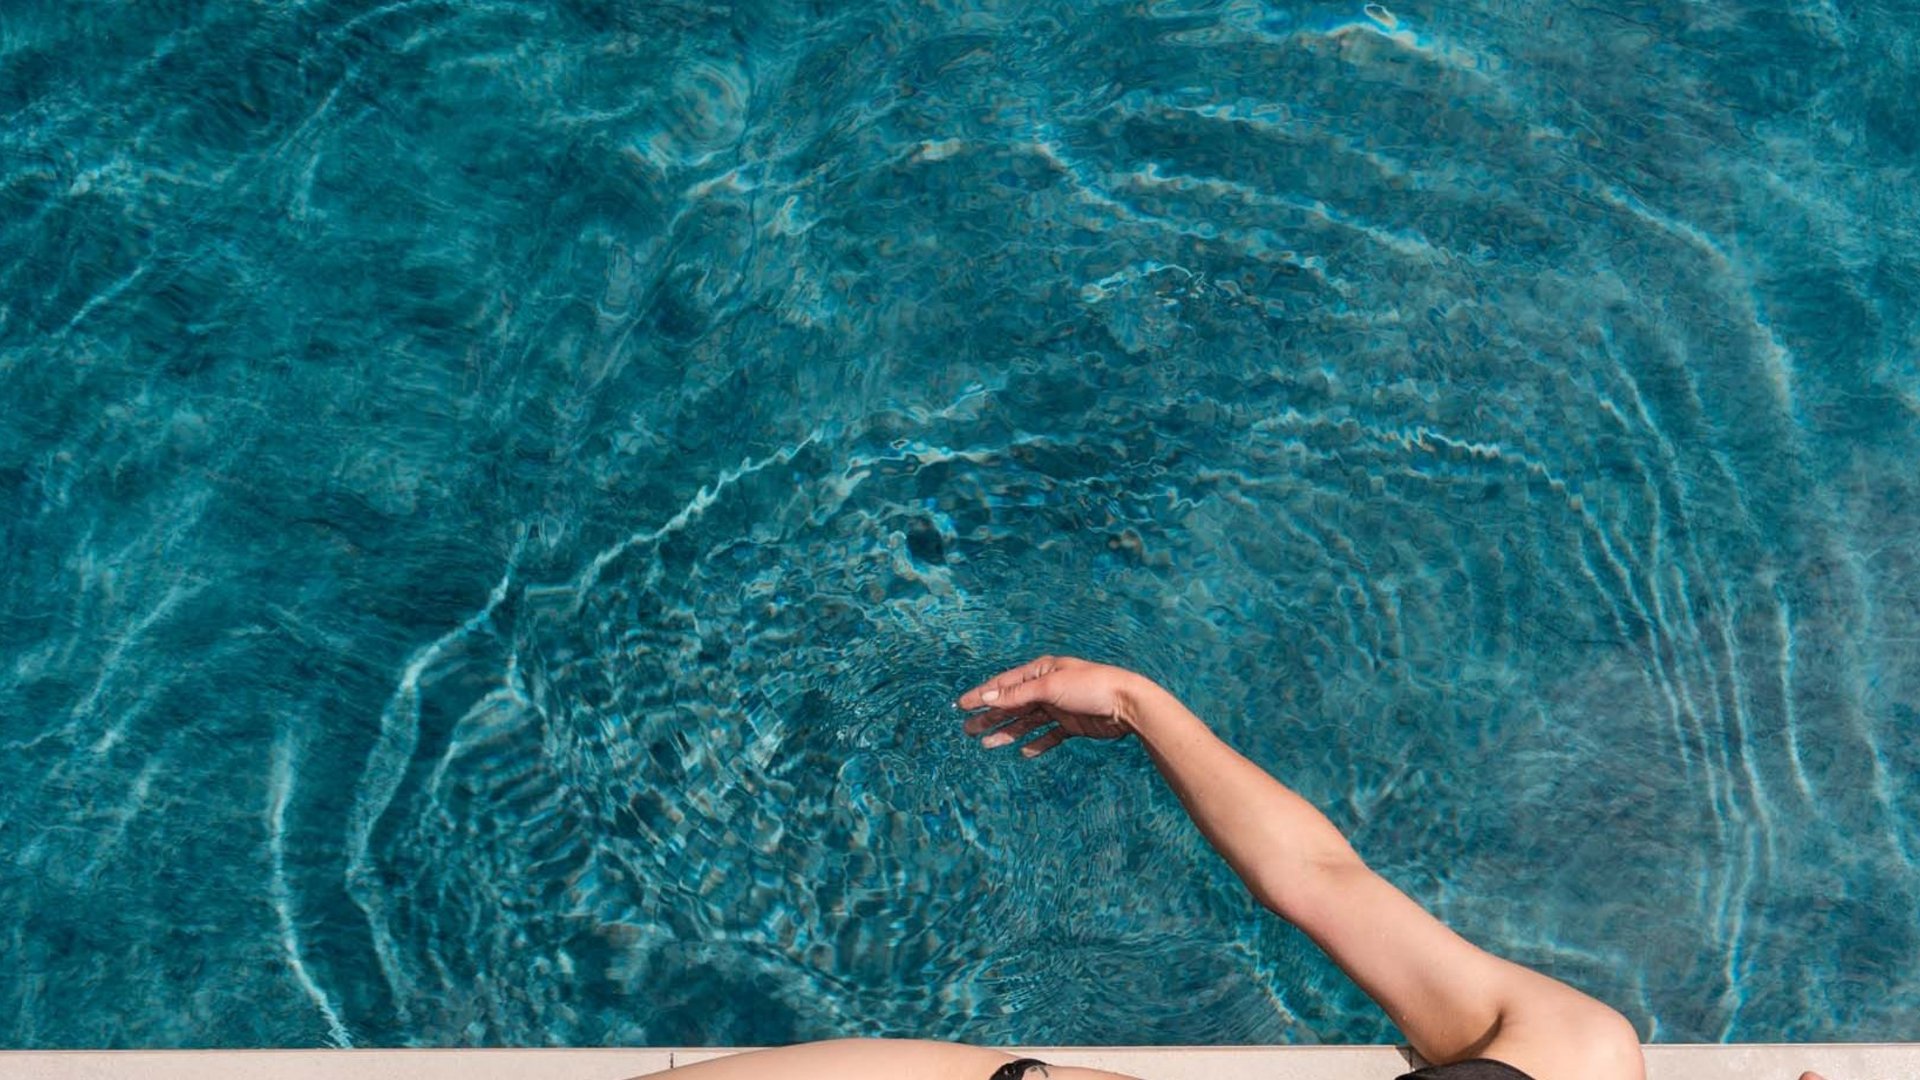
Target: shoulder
x,y
1582,1041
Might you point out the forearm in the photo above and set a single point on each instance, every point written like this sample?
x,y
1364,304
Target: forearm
x,y
1279,844
1298,865
1451,999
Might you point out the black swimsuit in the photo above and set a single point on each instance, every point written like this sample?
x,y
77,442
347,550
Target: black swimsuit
x,y
1473,1069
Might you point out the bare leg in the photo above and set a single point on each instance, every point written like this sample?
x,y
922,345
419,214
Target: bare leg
x,y
851,1059
868,1059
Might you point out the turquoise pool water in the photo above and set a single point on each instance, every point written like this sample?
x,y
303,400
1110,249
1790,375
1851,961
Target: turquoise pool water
x,y
497,498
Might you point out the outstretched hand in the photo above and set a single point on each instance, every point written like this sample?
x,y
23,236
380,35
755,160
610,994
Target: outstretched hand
x,y
1066,696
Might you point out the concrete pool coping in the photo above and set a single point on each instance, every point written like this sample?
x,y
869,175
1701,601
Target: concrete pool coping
x,y
1758,1061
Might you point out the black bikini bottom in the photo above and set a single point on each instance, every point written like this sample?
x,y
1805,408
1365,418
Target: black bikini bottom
x,y
1476,1069
1473,1069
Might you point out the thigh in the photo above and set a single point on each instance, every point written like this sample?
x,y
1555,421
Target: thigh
x,y
854,1059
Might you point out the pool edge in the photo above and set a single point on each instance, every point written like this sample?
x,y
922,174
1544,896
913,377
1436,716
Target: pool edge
x,y
1755,1061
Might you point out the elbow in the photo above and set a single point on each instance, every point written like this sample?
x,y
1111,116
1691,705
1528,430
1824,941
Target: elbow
x,y
1296,888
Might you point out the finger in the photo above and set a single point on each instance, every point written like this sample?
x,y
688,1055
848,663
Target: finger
x,y
1045,742
982,722
1019,729
1036,689
989,692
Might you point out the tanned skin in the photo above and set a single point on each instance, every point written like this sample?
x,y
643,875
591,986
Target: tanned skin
x,y
1452,999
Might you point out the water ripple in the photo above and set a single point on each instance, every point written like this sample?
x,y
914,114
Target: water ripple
x,y
1427,394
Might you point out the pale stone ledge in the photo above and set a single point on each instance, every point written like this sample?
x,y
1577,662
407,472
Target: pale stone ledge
x,y
1838,1061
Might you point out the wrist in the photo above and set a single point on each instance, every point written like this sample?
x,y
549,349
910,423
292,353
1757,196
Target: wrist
x,y
1143,704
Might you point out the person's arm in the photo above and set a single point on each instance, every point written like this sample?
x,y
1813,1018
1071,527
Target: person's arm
x,y
1452,1000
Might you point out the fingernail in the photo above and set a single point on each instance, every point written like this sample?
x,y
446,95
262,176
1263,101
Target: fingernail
x,y
990,695
992,741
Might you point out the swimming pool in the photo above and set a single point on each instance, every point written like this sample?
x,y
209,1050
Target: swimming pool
x,y
499,496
